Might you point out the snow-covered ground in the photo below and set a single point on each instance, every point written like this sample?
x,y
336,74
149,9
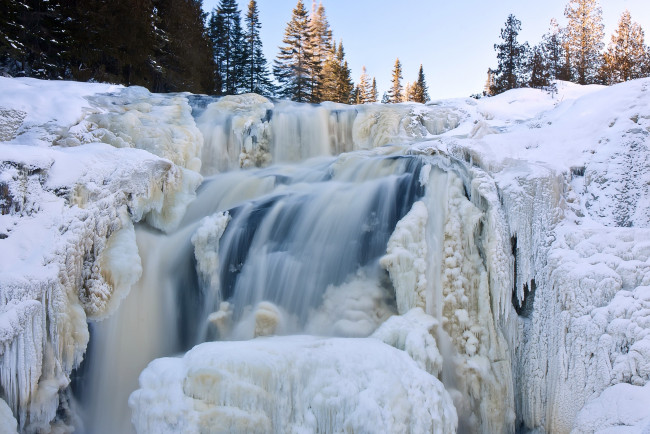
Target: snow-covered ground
x,y
528,297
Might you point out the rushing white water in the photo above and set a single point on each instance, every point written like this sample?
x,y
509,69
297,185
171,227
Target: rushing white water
x,y
319,245
296,237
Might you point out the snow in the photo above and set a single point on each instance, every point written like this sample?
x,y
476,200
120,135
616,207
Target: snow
x,y
622,408
46,107
291,384
521,278
68,241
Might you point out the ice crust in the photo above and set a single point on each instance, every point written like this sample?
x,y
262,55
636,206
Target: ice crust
x,y
521,278
68,243
293,384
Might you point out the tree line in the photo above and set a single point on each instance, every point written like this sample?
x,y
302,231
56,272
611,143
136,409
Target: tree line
x,y
172,45
310,66
573,53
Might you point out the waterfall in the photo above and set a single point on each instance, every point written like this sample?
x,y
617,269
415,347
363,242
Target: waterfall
x,y
295,237
311,239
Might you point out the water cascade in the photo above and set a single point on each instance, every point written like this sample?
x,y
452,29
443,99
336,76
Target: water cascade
x,y
372,243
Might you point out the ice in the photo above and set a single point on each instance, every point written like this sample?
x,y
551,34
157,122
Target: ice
x,y
68,243
519,277
135,118
406,257
291,384
8,424
353,309
620,408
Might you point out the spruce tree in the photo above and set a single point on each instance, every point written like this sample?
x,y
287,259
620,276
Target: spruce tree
x,y
293,66
539,70
33,38
511,57
552,47
364,89
337,82
256,73
625,56
396,92
228,41
184,52
420,89
374,95
584,38
409,92
321,48
489,83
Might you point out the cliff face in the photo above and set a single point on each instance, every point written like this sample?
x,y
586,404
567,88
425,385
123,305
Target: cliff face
x,y
529,250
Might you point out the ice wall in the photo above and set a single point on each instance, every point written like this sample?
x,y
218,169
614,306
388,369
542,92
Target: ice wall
x,y
252,131
68,240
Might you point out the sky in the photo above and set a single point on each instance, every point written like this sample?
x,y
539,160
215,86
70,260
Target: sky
x,y
453,40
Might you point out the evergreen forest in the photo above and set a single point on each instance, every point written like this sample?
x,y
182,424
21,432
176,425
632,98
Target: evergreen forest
x,y
173,46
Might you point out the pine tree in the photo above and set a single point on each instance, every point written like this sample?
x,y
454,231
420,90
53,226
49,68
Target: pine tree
x,y
364,89
625,56
33,38
228,46
256,74
293,65
374,95
511,56
539,70
489,83
385,99
321,48
184,52
337,83
552,47
396,92
420,89
585,38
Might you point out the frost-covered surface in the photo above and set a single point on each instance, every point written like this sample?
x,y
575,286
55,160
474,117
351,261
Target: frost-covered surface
x,y
521,279
571,176
67,237
294,385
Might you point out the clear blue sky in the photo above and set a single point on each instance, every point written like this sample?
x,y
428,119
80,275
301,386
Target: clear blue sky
x,y
453,40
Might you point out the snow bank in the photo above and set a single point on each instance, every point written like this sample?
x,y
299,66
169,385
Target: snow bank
x,y
620,408
291,384
40,110
66,226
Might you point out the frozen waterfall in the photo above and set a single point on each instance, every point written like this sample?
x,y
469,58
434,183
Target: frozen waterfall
x,y
338,238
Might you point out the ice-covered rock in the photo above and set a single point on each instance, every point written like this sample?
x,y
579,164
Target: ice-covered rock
x,y
68,243
291,384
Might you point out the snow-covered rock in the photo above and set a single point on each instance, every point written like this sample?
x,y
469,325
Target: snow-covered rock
x,y
291,384
68,242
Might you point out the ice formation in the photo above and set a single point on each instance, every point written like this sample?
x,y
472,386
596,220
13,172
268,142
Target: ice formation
x,y
68,241
495,265
291,384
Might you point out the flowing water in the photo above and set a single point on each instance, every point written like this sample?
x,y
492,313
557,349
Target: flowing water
x,y
286,237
